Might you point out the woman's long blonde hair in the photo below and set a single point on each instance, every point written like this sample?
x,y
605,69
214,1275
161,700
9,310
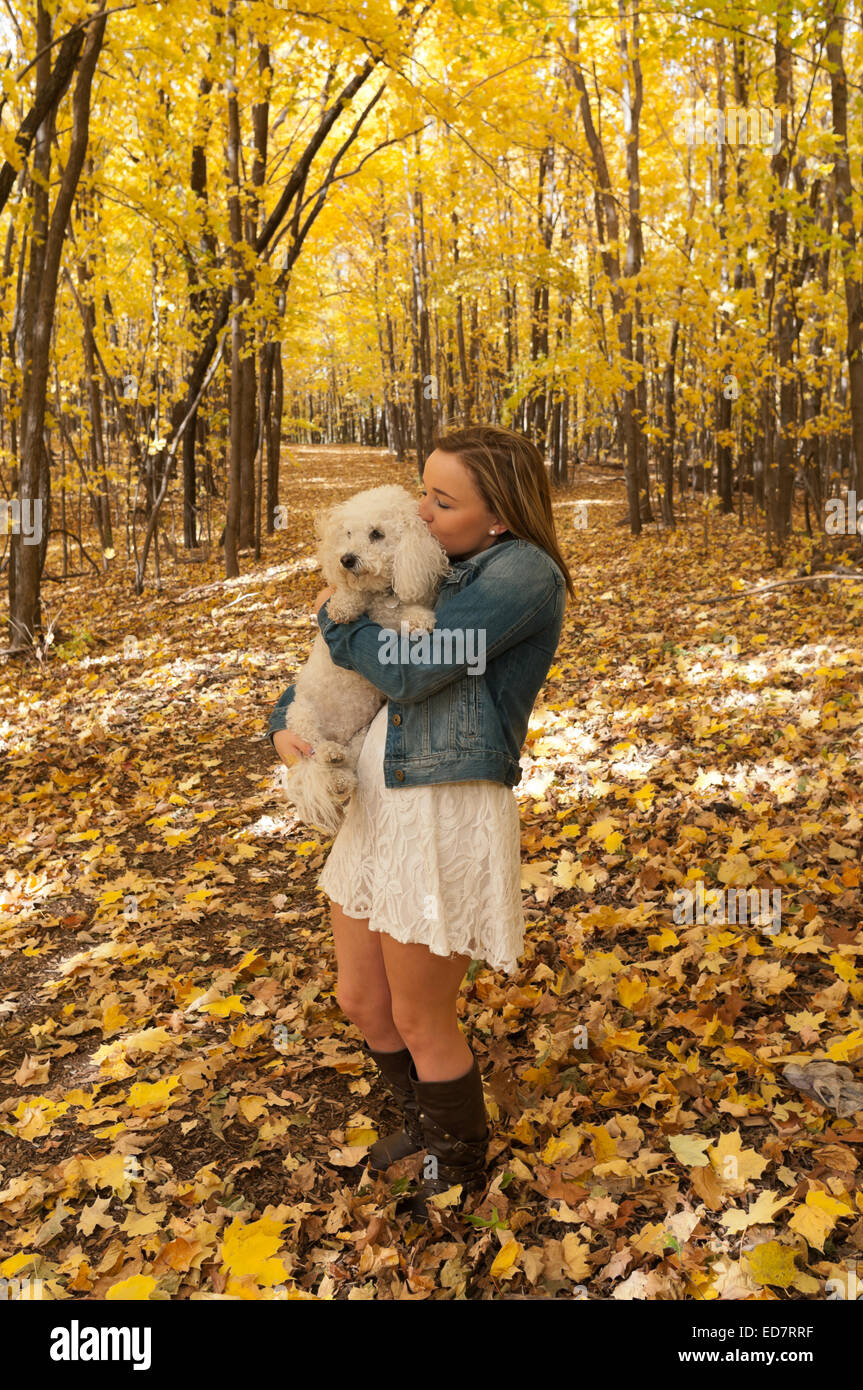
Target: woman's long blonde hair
x,y
511,477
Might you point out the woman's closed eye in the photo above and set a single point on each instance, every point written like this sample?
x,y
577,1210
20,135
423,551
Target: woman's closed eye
x,y
440,504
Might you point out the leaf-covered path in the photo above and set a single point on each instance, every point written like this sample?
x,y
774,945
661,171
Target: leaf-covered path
x,y
184,1109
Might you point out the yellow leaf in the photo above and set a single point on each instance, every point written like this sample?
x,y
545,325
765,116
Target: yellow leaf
x,y
249,1248
843,967
15,1262
846,1049
567,873
665,939
246,1033
555,1149
760,1213
524,1131
601,966
603,1145
734,1164
630,991
450,1198
145,1040
138,1287
772,1263
601,829
504,1260
627,1038
251,1107
815,1218
536,1075
108,1171
645,795
736,869
575,1254
37,1115
113,1019
823,1200
232,1004
157,1093
358,1135
689,1150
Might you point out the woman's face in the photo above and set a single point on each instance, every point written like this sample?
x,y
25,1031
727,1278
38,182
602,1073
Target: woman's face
x,y
453,510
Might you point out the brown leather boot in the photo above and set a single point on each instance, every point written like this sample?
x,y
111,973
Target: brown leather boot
x,y
394,1067
454,1123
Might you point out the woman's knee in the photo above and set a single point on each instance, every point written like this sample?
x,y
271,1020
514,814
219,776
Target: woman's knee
x,y
370,1012
362,992
421,1027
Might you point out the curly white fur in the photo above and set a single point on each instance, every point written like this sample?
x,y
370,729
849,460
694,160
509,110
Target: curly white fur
x,y
381,559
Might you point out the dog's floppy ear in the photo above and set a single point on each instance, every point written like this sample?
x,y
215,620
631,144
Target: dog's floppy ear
x,y
321,522
418,563
325,529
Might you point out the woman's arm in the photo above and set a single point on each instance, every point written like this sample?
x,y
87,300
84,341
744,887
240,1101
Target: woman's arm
x,y
510,600
279,717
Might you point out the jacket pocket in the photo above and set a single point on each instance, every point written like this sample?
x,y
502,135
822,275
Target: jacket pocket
x,y
465,716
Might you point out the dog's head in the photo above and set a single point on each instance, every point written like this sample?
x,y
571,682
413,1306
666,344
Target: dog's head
x,y
377,541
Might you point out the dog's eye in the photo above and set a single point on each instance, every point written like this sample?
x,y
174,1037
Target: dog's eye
x,y
376,535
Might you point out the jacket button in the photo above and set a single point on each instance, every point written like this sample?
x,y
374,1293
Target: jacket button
x,y
397,719
400,777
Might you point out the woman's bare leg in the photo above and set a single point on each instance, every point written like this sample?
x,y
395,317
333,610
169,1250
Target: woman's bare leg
x,y
363,991
423,993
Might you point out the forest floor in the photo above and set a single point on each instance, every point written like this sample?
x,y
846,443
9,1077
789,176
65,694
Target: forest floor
x,y
185,1111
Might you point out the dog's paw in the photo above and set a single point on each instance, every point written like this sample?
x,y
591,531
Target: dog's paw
x,y
345,608
329,752
419,619
344,783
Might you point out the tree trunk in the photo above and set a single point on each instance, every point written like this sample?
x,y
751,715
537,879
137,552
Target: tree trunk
x,y
780,473
845,220
607,226
26,560
235,222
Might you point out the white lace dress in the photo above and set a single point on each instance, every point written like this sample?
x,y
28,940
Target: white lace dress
x,y
438,864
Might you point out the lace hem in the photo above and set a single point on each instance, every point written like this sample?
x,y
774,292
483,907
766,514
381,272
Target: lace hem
x,y
439,864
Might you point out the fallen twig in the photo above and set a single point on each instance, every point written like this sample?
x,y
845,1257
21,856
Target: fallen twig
x,y
780,584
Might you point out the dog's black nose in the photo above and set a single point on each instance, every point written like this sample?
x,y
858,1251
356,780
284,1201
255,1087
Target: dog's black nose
x,y
348,561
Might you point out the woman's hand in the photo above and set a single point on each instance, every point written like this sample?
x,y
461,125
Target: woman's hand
x,y
323,595
290,746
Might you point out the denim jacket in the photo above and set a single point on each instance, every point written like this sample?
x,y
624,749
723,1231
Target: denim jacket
x,y
449,720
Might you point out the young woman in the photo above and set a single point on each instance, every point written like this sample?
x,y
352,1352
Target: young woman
x,y
425,873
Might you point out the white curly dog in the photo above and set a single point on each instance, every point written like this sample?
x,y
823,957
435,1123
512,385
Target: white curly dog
x,y
382,560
